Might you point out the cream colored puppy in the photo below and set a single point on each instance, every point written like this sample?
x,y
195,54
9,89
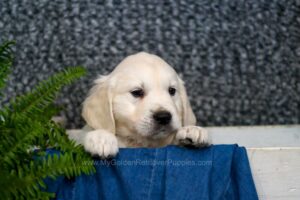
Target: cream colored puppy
x,y
142,103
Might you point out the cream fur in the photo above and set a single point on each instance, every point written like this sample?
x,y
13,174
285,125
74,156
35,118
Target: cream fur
x,y
118,119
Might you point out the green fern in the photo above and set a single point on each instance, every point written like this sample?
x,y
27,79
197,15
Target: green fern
x,y
6,58
26,123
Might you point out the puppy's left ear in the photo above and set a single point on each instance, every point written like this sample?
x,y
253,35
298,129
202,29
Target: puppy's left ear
x,y
97,107
187,115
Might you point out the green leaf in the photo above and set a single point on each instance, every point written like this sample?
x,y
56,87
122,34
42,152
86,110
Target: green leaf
x,y
25,124
6,59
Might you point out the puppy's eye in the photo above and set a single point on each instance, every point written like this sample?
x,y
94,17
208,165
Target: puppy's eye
x,y
138,93
172,91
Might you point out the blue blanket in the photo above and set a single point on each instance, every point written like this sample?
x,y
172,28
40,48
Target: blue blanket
x,y
216,172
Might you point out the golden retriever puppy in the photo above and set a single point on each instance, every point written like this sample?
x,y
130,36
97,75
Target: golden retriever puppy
x,y
141,103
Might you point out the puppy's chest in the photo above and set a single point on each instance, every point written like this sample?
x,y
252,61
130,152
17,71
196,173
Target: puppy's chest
x,y
143,142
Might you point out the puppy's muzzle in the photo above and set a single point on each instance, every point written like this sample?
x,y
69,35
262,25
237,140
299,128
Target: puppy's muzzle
x,y
162,117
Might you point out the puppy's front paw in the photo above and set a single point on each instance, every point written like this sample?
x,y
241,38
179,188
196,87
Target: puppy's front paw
x,y
192,136
101,143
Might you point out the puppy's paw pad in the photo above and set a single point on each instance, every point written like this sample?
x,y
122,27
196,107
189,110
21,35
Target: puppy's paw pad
x,y
101,143
192,136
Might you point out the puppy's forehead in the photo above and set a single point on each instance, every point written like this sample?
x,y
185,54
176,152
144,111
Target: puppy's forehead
x,y
144,65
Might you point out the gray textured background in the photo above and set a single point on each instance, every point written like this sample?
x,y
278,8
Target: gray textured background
x,y
240,58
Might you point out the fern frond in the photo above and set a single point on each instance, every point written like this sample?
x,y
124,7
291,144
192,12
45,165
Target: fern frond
x,y
25,124
29,179
32,104
6,58
30,173
20,140
27,117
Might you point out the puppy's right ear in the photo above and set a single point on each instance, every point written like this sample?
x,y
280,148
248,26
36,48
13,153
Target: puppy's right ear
x,y
97,107
188,116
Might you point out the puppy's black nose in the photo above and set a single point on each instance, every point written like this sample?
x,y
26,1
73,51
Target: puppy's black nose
x,y
162,117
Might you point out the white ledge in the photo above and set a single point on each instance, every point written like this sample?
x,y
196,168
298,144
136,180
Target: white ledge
x,y
274,156
257,136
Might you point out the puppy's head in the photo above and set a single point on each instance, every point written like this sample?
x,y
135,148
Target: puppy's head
x,y
143,96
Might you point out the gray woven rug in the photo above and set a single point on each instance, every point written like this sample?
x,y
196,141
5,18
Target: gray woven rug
x,y
240,59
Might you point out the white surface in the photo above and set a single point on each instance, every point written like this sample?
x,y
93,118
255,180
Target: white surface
x,y
276,172
257,136
274,156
